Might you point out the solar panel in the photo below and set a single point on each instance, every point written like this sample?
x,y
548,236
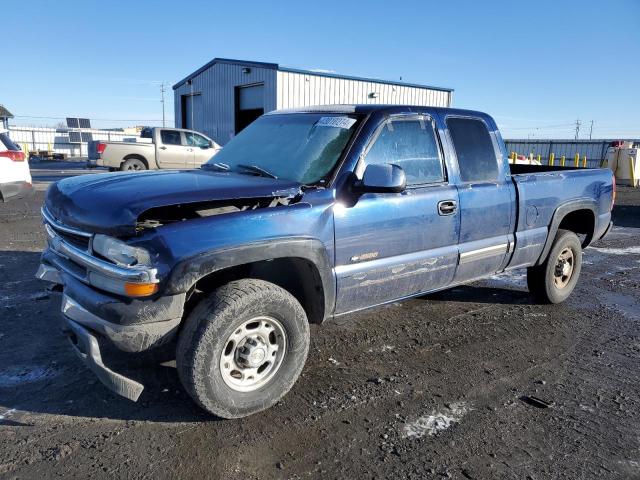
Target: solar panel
x,y
84,123
73,122
86,136
75,137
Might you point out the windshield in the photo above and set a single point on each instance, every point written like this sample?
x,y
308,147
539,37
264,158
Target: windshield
x,y
303,147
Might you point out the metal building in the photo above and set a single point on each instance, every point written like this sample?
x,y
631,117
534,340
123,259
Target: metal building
x,y
224,96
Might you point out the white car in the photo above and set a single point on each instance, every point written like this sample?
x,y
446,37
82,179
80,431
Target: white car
x,y
15,177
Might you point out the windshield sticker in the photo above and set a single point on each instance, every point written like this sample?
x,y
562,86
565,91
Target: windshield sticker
x,y
336,122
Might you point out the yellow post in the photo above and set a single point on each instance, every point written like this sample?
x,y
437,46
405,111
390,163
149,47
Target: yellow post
x,y
584,162
540,159
562,160
530,158
49,148
552,159
576,160
511,157
632,171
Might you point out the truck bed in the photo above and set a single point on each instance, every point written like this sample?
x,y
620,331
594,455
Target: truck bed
x,y
542,189
523,168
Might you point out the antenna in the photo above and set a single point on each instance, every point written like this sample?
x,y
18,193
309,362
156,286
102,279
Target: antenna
x,y
591,130
578,123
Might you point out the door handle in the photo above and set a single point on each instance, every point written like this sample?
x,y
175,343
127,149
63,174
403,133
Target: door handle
x,y
447,207
162,148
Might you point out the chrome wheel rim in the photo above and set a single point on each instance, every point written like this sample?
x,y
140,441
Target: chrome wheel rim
x,y
564,268
253,354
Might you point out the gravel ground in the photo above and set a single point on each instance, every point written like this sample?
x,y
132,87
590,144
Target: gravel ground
x,y
431,387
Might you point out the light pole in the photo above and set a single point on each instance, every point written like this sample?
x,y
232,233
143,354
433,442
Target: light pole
x,y
162,101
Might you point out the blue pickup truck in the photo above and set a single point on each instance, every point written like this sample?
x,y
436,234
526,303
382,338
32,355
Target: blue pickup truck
x,y
306,215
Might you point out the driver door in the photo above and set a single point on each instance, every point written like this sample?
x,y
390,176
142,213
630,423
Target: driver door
x,y
395,245
203,148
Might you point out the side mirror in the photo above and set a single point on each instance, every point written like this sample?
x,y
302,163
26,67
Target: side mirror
x,y
211,144
382,178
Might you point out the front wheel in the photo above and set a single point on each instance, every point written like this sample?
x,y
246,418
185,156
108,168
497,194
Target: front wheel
x,y
554,280
243,348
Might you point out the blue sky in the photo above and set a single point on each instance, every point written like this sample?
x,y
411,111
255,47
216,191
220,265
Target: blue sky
x,y
535,66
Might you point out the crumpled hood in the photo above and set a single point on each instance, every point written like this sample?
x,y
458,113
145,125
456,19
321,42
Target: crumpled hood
x,y
111,203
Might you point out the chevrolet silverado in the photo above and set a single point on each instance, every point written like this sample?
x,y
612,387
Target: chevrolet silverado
x,y
306,215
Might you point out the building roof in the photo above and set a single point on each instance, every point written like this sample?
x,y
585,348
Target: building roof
x,y
275,66
4,113
368,108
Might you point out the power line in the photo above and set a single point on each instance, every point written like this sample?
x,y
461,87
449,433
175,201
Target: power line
x,y
97,119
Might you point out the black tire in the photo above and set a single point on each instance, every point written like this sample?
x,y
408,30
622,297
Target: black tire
x,y
205,336
545,281
133,164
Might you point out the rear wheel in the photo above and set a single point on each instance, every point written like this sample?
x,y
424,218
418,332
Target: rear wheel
x,y
243,348
554,280
133,164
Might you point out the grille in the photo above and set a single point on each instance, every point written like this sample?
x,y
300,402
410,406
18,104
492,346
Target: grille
x,y
72,236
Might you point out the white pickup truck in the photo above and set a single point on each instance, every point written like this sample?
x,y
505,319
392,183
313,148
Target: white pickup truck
x,y
156,148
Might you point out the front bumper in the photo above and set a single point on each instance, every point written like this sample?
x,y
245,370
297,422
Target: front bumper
x,y
133,325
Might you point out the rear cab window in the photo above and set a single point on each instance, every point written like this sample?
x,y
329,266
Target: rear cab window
x,y
411,143
170,137
476,155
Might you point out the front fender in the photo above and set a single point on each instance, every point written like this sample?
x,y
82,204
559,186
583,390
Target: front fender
x,y
187,272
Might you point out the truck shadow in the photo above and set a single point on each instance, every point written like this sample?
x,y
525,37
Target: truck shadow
x,y
626,216
481,294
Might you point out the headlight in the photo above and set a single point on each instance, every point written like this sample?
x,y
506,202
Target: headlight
x,y
120,252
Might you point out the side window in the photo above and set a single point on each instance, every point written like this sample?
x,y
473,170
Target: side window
x,y
476,156
170,137
412,145
195,140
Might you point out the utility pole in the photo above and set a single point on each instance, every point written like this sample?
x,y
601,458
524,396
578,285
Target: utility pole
x,y
162,101
578,123
591,130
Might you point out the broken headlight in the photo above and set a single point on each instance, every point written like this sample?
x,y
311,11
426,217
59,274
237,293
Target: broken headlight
x,y
119,252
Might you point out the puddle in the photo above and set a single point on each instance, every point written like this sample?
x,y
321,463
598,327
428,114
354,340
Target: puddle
x,y
635,250
19,375
437,421
621,303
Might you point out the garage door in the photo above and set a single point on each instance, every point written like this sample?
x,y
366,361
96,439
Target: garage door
x,y
249,105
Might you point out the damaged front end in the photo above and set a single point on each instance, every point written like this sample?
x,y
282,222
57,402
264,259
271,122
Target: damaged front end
x,y
159,216
111,272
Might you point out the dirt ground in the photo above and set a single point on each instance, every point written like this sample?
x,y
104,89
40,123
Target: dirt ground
x,y
427,388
